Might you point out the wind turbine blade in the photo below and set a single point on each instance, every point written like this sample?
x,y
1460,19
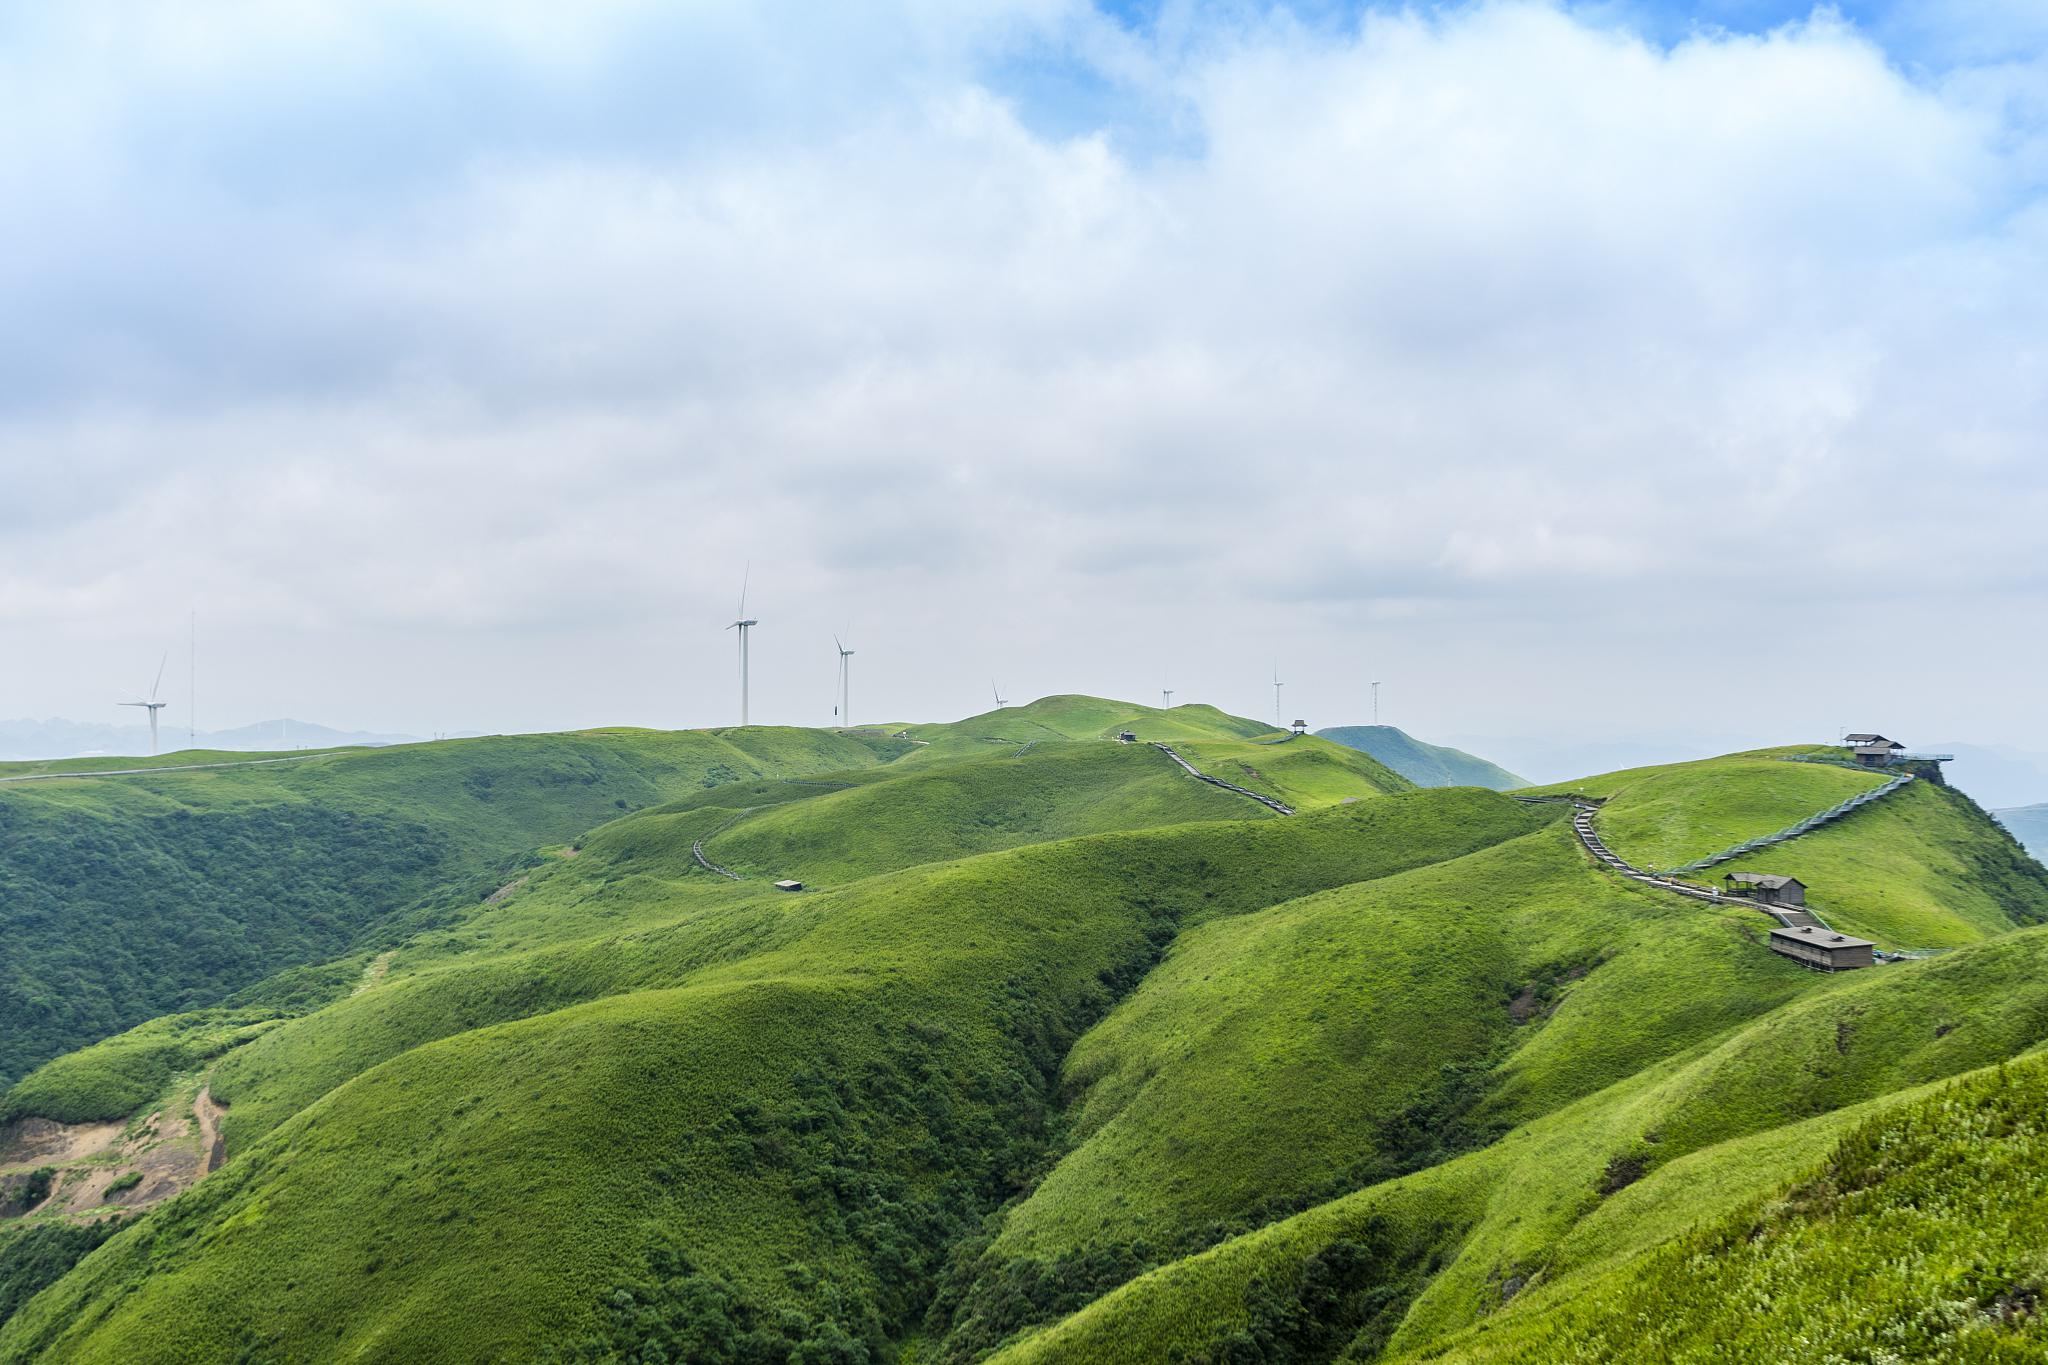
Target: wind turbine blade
x,y
745,575
159,676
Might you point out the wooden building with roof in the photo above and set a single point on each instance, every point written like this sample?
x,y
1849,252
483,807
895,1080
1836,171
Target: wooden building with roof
x,y
1823,949
1766,888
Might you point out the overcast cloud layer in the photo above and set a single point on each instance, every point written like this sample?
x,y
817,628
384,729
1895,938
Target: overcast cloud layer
x,y
1578,372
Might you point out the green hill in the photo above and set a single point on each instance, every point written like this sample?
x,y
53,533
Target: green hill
x,y
126,897
1063,1055
1426,765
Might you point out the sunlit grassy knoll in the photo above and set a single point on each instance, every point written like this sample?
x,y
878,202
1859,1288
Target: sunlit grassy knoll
x,y
945,811
1660,817
1304,772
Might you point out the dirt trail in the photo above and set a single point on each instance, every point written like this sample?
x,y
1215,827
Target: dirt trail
x,y
372,974
213,1148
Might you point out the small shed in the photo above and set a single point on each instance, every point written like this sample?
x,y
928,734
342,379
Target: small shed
x,y
1126,737
1873,751
789,886
1823,949
1767,888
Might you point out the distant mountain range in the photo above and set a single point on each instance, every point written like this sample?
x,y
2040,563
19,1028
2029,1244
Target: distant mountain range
x,y
1426,765
41,739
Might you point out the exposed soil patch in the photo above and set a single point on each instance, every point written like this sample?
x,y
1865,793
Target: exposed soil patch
x,y
92,1167
502,892
207,1112
372,974
42,1142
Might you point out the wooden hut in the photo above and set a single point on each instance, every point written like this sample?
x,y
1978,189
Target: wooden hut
x,y
1823,949
1766,888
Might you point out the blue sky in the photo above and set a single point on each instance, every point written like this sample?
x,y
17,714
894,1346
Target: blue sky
x,y
413,344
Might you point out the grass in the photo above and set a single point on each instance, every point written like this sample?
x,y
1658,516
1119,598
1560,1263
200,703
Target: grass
x,y
1473,1230
825,1112
1061,790
1073,1059
1919,1238
1661,817
113,1078
122,898
1303,773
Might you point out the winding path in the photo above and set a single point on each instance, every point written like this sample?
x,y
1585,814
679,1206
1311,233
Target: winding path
x,y
1792,917
1195,772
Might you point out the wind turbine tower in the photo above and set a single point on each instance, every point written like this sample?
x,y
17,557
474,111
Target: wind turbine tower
x,y
1278,722
743,625
152,705
1375,703
845,707
1166,699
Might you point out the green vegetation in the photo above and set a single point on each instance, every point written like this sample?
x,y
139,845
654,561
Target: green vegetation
x,y
1065,1057
1918,1239
1426,765
122,898
37,1255
1302,773
115,1077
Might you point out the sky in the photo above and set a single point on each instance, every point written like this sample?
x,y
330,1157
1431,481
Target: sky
x,y
1582,371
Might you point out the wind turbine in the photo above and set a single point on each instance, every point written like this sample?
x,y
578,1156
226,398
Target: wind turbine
x,y
743,625
1000,702
845,707
152,705
1166,699
1375,703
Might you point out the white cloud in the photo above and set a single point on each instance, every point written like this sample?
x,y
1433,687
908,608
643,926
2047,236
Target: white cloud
x,y
474,321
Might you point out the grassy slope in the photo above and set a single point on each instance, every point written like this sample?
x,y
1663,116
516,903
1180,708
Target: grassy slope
x,y
1426,765
1920,1238
1921,868
1458,1239
1660,817
1056,791
126,897
948,991
1304,772
1076,717
805,1100
1275,1061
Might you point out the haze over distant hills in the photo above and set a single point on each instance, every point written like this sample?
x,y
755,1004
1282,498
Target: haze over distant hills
x,y
54,738
1426,765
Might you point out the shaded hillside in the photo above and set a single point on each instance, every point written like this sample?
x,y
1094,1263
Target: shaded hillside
x,y
127,897
1426,765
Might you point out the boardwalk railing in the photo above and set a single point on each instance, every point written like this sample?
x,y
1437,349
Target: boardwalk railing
x,y
1810,823
1195,772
